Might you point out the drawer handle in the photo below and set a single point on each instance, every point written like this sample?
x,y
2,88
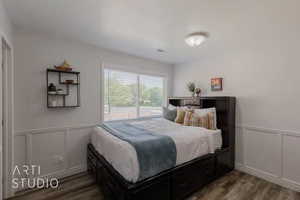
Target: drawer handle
x,y
183,184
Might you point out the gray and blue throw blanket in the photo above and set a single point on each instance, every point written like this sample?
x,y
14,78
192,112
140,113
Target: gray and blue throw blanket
x,y
155,153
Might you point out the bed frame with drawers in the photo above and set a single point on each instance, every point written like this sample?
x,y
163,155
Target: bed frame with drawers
x,y
179,182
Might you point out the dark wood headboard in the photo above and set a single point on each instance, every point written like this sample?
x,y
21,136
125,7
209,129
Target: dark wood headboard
x,y
225,107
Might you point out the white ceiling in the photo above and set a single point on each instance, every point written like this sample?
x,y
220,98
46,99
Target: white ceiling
x,y
137,27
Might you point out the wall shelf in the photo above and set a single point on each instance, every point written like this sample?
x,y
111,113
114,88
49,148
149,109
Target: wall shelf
x,y
58,94
63,83
56,97
63,106
66,72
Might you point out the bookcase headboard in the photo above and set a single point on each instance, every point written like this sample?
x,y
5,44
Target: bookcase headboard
x,y
225,107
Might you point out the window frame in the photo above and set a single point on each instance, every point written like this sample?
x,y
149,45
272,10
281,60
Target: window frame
x,y
135,72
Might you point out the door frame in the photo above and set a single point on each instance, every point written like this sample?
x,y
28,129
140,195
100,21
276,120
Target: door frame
x,y
8,135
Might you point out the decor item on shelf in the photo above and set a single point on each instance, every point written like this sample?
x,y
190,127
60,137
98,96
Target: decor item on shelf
x,y
51,87
59,91
196,39
53,103
190,102
191,87
69,81
198,92
216,84
64,67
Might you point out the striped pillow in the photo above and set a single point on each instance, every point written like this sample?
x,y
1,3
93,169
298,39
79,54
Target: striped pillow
x,y
180,116
200,121
211,121
204,111
188,118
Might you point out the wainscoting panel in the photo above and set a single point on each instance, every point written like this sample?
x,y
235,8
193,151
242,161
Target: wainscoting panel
x,y
269,154
239,150
60,152
20,153
78,139
48,151
291,158
263,151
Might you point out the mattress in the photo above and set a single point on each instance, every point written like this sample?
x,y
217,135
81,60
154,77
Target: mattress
x,y
191,142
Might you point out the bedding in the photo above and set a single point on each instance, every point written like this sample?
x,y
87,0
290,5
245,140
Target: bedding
x,y
212,115
169,114
171,107
190,142
180,115
155,152
206,121
199,121
187,118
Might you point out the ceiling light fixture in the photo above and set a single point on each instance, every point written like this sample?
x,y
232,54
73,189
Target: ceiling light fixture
x,y
160,50
196,39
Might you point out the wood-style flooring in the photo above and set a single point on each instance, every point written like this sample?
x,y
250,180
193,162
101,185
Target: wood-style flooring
x,y
234,186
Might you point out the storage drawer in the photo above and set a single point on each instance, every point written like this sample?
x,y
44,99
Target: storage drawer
x,y
110,186
99,173
160,190
91,167
225,162
192,177
92,157
92,160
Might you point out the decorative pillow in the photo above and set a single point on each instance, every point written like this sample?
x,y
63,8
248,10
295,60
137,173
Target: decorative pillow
x,y
187,118
211,121
171,107
200,121
180,116
169,114
205,111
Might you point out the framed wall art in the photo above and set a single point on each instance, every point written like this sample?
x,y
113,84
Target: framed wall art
x,y
216,84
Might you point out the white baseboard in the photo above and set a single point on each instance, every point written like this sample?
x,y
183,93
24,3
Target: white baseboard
x,y
68,172
268,177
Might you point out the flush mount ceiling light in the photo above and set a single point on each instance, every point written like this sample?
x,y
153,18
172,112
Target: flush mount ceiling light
x,y
196,39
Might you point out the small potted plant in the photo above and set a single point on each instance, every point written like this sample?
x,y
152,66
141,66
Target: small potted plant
x,y
191,87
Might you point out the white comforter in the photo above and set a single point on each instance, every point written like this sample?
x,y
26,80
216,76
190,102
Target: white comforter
x,y
191,142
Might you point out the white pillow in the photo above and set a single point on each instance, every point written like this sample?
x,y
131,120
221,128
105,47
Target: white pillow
x,y
204,111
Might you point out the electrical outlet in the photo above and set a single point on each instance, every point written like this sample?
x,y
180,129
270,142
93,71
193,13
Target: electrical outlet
x,y
58,159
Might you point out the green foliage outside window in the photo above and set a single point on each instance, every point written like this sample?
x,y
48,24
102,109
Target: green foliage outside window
x,y
122,95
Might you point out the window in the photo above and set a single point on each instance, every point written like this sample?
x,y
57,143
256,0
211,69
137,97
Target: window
x,y
151,95
129,95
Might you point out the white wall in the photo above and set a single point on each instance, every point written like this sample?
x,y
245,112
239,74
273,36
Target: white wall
x,y
56,139
257,54
5,25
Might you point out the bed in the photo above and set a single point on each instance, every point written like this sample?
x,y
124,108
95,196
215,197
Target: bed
x,y
202,156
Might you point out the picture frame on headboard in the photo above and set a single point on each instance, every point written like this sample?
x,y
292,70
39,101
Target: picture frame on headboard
x,y
216,84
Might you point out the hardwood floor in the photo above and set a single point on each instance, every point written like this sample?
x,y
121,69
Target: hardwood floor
x,y
234,186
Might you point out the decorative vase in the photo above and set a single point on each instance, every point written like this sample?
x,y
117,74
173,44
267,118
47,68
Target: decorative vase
x,y
198,92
